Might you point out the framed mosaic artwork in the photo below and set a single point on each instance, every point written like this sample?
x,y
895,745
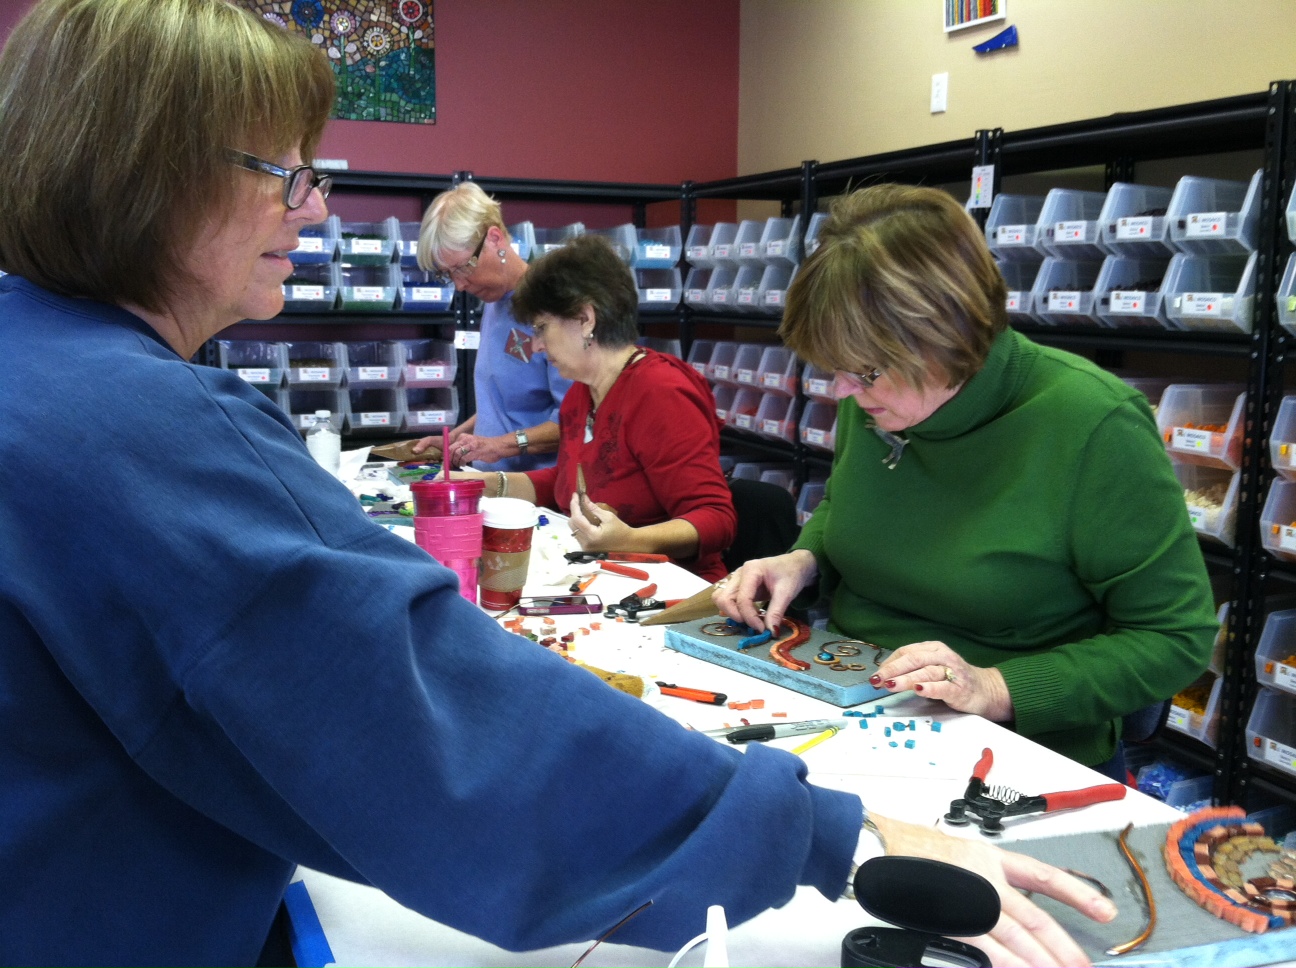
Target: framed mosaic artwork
x,y
382,52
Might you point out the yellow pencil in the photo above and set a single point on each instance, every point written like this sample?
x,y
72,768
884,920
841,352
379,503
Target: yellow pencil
x,y
828,733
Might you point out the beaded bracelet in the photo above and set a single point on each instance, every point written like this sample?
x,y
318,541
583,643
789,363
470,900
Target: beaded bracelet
x,y
503,485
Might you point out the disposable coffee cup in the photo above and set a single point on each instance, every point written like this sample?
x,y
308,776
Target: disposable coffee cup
x,y
507,526
448,526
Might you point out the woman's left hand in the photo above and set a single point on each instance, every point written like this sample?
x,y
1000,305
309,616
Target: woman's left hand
x,y
934,670
468,448
609,534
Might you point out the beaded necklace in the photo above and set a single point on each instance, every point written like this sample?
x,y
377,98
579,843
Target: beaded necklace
x,y
589,420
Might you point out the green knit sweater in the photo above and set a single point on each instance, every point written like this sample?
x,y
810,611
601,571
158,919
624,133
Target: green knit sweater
x,y
1033,523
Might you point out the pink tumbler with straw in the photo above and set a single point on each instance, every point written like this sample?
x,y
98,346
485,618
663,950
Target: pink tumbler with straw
x,y
448,526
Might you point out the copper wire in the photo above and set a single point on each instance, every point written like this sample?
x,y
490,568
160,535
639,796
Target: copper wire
x,y
1136,943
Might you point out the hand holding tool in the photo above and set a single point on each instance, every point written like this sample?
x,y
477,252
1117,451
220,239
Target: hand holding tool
x,y
586,507
990,805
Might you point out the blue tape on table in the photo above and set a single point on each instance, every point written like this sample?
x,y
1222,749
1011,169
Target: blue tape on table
x,y
848,688
310,946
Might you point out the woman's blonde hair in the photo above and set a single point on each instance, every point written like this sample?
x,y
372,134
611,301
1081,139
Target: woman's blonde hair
x,y
902,281
455,221
115,117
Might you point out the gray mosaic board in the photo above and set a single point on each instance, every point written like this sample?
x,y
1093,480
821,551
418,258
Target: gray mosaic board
x,y
839,688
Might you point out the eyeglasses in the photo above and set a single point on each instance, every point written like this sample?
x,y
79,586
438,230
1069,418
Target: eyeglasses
x,y
865,380
466,269
299,182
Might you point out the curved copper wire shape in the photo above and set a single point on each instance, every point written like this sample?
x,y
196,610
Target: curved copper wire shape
x,y
1136,943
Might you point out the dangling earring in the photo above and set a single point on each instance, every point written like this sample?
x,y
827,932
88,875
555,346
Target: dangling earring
x,y
501,255
589,340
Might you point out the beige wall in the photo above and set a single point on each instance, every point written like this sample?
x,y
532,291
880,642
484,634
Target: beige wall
x,y
834,79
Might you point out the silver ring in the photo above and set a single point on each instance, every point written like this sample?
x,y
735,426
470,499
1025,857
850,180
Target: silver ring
x,y
949,675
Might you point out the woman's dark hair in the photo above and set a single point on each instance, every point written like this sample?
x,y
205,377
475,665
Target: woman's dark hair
x,y
585,271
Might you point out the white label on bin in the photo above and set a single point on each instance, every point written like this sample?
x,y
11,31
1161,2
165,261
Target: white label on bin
x,y
1064,301
254,375
314,374
409,247
1069,231
745,376
1010,234
1197,517
368,293
1178,718
432,416
722,413
721,373
306,292
467,339
722,251
697,251
775,248
814,437
425,294
1185,439
310,243
1205,224
700,367
657,295
1279,755
720,296
774,297
1287,538
366,246
1285,676
772,380
1128,301
818,388
548,247
747,250
1202,304
771,427
432,372
1134,227
743,420
372,373
746,296
1014,301
375,419
655,251
695,295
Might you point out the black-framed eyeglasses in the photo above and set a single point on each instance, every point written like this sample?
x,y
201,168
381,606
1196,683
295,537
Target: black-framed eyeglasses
x,y
466,269
865,380
299,182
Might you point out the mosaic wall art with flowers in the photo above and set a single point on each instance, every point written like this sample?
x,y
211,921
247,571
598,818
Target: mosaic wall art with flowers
x,y
382,52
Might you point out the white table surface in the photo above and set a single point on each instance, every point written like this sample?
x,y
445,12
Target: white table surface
x,y
365,927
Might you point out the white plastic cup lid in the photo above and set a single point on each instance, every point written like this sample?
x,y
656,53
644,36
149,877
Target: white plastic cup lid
x,y
508,512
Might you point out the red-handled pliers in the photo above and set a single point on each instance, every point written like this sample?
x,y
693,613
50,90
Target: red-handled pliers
x,y
990,805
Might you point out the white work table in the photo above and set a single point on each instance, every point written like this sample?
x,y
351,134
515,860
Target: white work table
x,y
365,927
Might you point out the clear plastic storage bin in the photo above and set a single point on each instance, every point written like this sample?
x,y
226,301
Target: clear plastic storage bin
x,y
671,347
254,361
549,240
1211,495
1210,292
1011,227
818,384
747,243
1134,220
428,362
315,365
777,416
697,247
1212,216
371,412
658,288
408,243
1019,277
779,371
1194,711
317,243
522,239
724,398
780,477
1275,655
1063,292
781,241
699,355
301,405
1202,423
424,292
1128,292
1291,216
1152,387
771,294
374,364
818,427
746,405
1287,296
312,287
721,249
1282,439
812,232
369,243
720,366
369,288
621,238
429,409
745,289
812,493
1069,225
695,285
1271,730
720,288
746,365
1278,520
657,248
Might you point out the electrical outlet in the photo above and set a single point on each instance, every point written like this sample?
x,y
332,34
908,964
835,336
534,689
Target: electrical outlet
x,y
940,93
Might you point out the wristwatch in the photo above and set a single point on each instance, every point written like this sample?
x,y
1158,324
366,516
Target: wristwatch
x,y
522,441
871,844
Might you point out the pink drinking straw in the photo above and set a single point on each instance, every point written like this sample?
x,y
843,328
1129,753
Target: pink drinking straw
x,y
445,453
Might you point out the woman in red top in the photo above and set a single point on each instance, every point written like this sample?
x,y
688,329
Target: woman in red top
x,y
640,424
